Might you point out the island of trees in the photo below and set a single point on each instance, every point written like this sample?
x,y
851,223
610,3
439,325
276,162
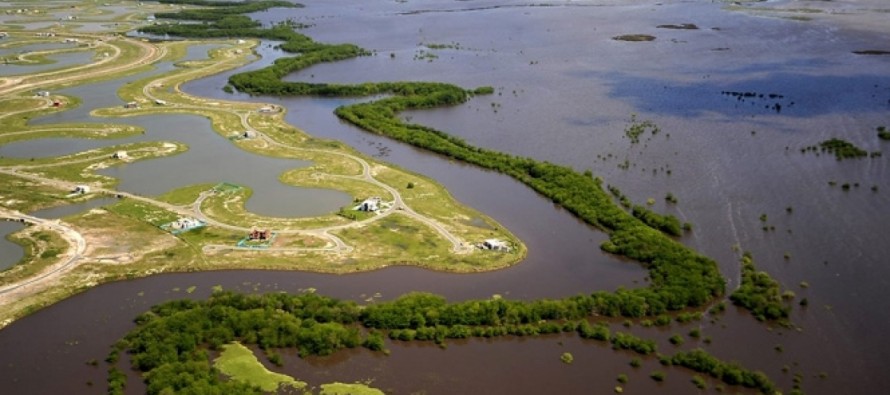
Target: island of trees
x,y
173,342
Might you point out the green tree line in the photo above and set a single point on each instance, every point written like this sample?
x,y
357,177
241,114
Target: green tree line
x,y
172,343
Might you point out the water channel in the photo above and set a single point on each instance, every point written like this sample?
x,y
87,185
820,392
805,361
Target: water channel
x,y
564,92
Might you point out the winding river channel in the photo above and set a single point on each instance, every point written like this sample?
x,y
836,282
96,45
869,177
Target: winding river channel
x,y
564,93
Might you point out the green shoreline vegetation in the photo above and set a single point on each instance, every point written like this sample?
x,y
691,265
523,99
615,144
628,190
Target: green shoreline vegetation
x,y
171,343
840,148
760,294
679,276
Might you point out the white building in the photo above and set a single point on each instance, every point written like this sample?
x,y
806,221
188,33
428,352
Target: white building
x,y
160,102
43,93
82,189
185,223
495,245
369,205
248,134
120,155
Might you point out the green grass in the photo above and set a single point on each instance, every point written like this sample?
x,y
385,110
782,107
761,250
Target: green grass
x,y
26,196
185,195
239,363
348,389
143,212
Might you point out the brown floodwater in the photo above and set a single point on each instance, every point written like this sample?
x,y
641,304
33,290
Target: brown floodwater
x,y
564,93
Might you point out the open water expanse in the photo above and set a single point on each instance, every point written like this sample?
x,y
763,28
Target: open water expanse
x,y
564,93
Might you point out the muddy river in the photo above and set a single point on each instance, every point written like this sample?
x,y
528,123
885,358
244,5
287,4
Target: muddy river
x,y
565,90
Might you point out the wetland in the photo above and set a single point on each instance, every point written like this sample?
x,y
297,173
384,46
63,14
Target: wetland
x,y
725,160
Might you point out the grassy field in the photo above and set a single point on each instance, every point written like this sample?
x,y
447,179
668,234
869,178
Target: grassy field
x,y
239,363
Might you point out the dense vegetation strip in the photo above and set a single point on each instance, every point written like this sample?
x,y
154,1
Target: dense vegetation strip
x,y
679,276
842,149
172,343
760,293
730,373
883,133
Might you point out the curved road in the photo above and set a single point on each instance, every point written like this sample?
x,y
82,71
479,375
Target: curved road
x,y
76,250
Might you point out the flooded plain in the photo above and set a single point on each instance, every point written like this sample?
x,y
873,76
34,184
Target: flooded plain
x,y
564,93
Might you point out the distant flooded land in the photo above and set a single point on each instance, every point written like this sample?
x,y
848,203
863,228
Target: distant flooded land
x,y
483,196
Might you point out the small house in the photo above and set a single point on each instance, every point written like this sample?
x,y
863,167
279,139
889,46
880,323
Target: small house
x,y
369,205
239,42
4,34
260,235
248,134
495,245
43,93
160,102
120,155
131,104
185,223
57,103
267,109
82,189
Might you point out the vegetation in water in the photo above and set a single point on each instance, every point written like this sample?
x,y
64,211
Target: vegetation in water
x,y
634,37
841,149
680,276
171,343
760,293
730,373
637,128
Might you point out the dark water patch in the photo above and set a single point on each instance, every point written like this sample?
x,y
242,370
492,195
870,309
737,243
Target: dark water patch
x,y
72,209
795,95
10,253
